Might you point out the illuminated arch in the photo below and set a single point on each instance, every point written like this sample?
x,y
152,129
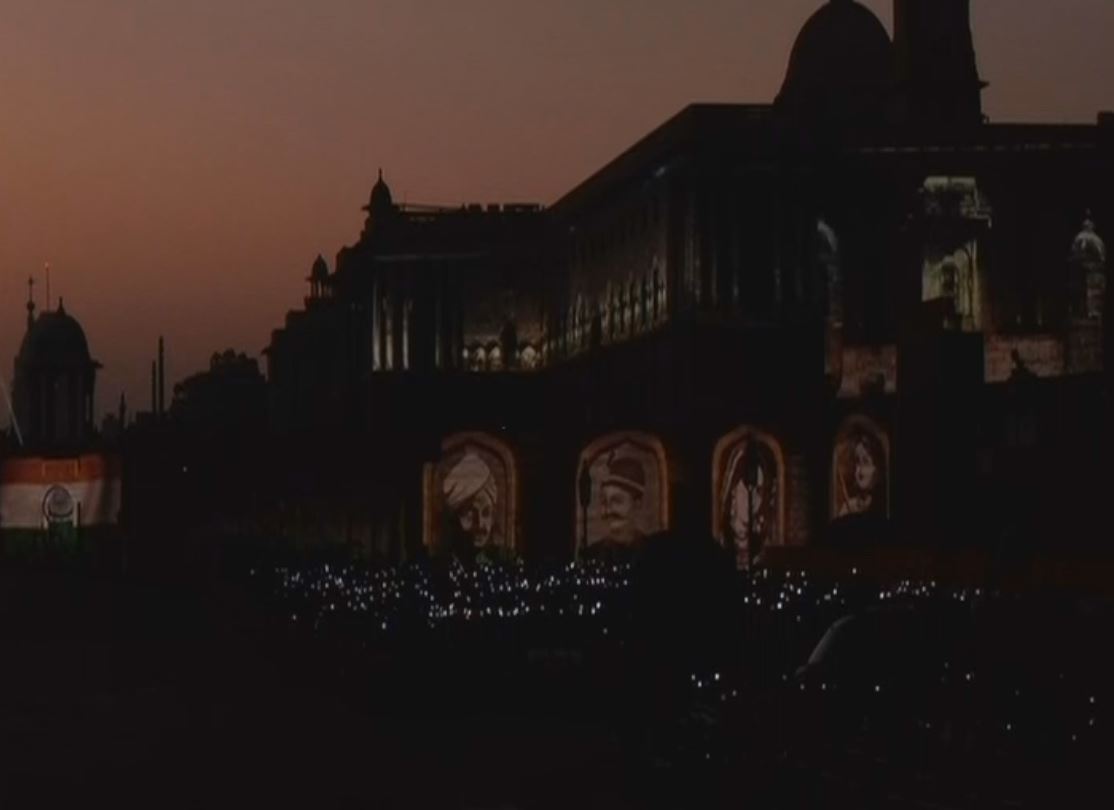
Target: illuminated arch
x,y
494,357
477,358
641,446
500,460
724,459
529,358
858,425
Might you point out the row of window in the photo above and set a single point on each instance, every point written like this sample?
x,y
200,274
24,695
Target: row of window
x,y
489,357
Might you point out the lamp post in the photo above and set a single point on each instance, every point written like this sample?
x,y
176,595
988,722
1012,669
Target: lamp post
x,y
752,470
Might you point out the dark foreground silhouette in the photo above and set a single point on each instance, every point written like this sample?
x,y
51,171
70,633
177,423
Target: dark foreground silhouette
x,y
707,691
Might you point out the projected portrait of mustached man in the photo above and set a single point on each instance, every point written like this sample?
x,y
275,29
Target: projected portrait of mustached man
x,y
622,493
470,500
622,489
748,506
860,470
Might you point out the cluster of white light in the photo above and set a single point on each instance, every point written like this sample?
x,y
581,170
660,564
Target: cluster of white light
x,y
592,595
378,599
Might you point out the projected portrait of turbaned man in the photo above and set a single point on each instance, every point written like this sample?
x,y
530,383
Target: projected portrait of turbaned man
x,y
622,494
471,497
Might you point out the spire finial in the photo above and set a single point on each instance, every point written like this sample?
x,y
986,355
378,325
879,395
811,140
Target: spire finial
x,y
30,301
380,174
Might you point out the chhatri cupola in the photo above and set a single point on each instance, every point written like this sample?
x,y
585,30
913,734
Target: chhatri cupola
x,y
380,208
52,390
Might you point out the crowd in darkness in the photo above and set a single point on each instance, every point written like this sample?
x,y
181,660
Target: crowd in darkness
x,y
787,676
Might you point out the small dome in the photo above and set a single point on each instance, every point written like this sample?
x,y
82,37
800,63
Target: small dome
x,y
841,66
380,196
55,339
1088,245
380,209
320,269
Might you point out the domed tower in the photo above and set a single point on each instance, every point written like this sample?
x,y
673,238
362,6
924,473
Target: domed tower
x,y
1088,271
52,390
938,80
840,69
1086,299
318,279
380,208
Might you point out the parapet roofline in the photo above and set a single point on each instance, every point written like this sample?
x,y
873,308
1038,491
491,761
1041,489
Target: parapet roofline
x,y
985,137
665,140
403,258
427,209
704,124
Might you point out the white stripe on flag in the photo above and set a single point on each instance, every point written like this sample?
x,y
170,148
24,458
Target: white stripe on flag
x,y
98,499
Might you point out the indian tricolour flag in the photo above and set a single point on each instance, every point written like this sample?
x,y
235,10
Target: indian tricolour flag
x,y
42,493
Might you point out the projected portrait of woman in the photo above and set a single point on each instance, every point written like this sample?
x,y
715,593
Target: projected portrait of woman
x,y
747,512
860,471
470,500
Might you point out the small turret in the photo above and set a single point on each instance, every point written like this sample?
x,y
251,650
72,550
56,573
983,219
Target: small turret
x,y
1087,299
380,208
52,392
30,302
1087,262
318,278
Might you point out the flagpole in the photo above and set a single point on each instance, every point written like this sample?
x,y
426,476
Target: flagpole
x,y
11,412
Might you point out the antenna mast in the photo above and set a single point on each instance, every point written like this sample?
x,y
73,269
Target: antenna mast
x,y
11,412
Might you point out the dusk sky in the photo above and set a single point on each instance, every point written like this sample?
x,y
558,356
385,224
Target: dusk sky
x,y
180,164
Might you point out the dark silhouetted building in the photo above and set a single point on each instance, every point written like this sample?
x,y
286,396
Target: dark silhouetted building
x,y
57,481
230,395
52,390
862,298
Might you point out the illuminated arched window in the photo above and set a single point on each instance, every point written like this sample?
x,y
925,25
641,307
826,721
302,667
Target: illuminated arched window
x,y
529,357
494,357
479,359
860,469
623,493
748,493
471,499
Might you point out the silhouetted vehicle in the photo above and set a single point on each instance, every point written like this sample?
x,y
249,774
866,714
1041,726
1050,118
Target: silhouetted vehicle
x,y
997,700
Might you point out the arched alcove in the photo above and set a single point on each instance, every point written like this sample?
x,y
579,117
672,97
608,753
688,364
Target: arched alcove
x,y
622,492
748,493
471,498
860,469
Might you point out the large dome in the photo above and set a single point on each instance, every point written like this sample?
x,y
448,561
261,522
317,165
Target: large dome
x,y
56,340
841,67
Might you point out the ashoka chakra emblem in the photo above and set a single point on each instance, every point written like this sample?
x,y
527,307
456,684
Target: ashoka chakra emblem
x,y
58,505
